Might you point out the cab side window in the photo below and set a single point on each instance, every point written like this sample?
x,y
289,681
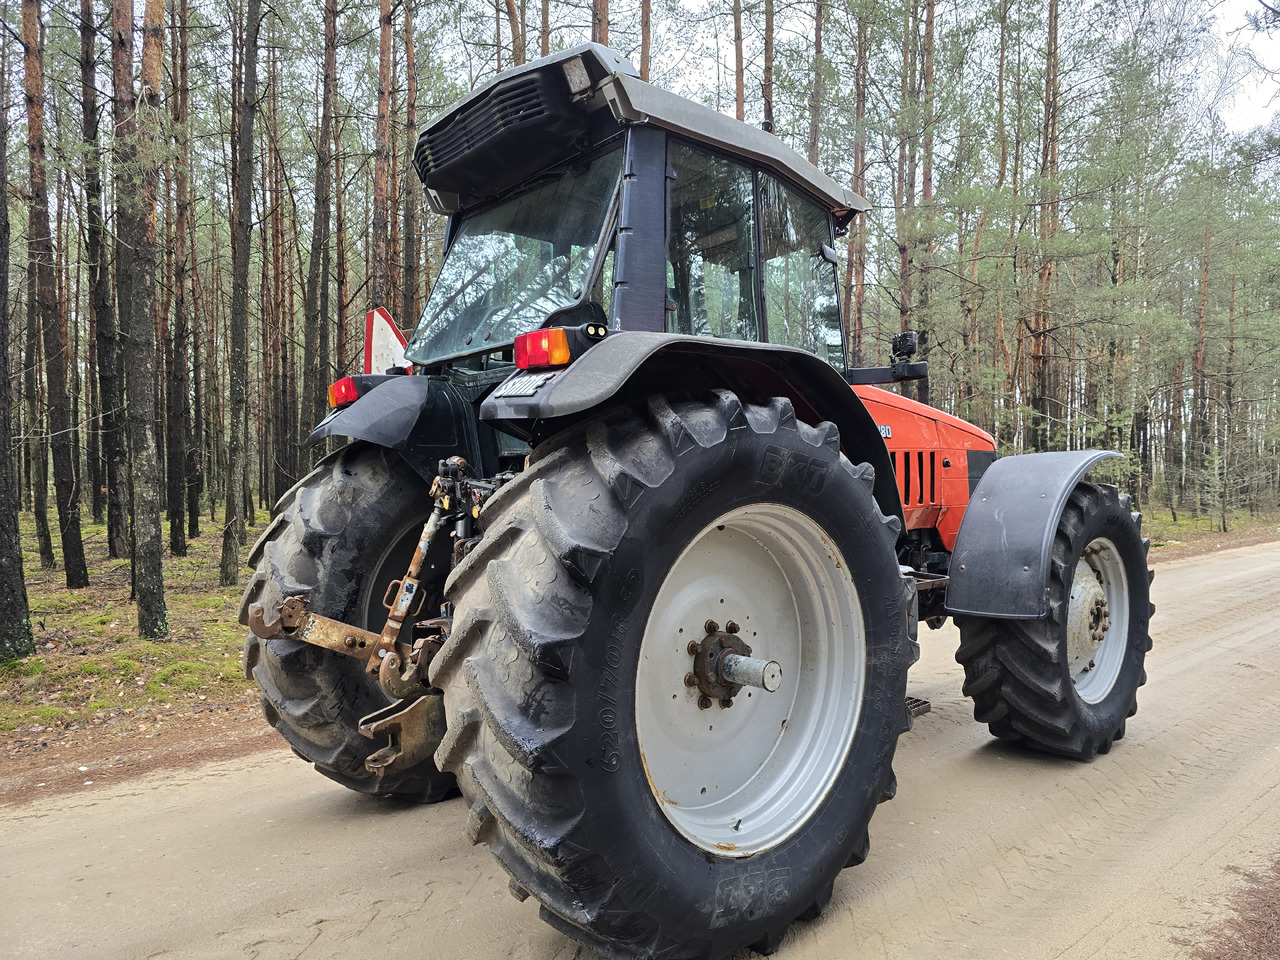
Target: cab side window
x,y
710,260
802,307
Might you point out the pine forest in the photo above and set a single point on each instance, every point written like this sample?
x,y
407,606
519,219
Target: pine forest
x,y
204,197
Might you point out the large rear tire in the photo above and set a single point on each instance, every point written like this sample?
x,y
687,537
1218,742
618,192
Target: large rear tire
x,y
1068,683
339,537
645,824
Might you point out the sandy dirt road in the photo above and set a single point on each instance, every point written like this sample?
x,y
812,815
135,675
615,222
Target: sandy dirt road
x,y
988,851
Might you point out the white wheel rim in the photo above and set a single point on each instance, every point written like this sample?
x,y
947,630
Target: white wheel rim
x,y
741,780
1095,653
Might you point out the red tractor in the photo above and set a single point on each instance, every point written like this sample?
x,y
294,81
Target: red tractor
x,y
622,557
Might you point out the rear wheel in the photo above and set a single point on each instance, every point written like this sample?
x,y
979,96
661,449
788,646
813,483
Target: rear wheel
x,y
340,537
1068,683
646,817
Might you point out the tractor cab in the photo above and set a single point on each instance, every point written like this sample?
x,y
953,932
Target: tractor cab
x,y
578,194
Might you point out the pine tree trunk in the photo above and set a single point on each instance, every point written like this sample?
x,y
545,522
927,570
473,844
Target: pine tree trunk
x,y
646,34
1200,459
600,21
766,74
341,279
313,318
65,468
926,197
815,91
137,171
1004,411
95,467
37,442
904,180
739,68
394,183
378,289
856,264
1230,481
409,288
1173,455
15,616
179,390
517,32
1040,356
233,533
197,455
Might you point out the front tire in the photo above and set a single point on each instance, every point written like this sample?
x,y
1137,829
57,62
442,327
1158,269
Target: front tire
x,y
1068,683
340,536
644,824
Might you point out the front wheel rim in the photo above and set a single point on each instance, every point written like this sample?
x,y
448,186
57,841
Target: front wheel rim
x,y
737,781
1096,650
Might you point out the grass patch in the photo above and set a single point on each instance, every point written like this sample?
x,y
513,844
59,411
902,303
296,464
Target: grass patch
x,y
186,677
1159,524
90,661
28,667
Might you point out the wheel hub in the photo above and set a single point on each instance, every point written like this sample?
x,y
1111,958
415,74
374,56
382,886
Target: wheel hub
x,y
723,665
1098,621
1088,618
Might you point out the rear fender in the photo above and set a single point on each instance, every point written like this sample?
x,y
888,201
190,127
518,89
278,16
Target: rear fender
x,y
631,365
1000,566
423,419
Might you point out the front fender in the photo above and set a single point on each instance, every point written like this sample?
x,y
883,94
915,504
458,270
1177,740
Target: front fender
x,y
1000,566
628,366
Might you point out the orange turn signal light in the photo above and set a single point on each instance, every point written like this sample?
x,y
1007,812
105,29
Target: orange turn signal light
x,y
548,347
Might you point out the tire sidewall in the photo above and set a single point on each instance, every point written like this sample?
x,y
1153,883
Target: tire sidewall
x,y
655,863
1114,524
356,557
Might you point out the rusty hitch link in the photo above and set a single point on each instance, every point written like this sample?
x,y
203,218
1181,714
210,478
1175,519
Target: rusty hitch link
x,y
413,730
401,668
406,596
403,686
293,613
296,623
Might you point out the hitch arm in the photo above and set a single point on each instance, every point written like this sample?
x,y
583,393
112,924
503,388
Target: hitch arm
x,y
296,623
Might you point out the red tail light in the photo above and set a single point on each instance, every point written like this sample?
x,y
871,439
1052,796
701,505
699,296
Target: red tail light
x,y
343,392
542,348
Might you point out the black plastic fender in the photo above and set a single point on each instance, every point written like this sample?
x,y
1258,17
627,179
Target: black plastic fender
x,y
1000,566
424,419
632,365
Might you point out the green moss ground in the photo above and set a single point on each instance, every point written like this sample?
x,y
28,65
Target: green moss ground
x,y
90,662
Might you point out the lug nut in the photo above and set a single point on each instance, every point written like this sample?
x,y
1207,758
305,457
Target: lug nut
x,y
690,680
704,703
692,648
711,626
731,627
726,703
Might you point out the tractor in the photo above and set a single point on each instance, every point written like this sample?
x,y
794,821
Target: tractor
x,y
627,556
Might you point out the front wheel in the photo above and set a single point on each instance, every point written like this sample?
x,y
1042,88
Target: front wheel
x,y
1068,683
650,811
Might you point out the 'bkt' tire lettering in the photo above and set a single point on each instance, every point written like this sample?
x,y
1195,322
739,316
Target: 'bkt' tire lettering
x,y
782,468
